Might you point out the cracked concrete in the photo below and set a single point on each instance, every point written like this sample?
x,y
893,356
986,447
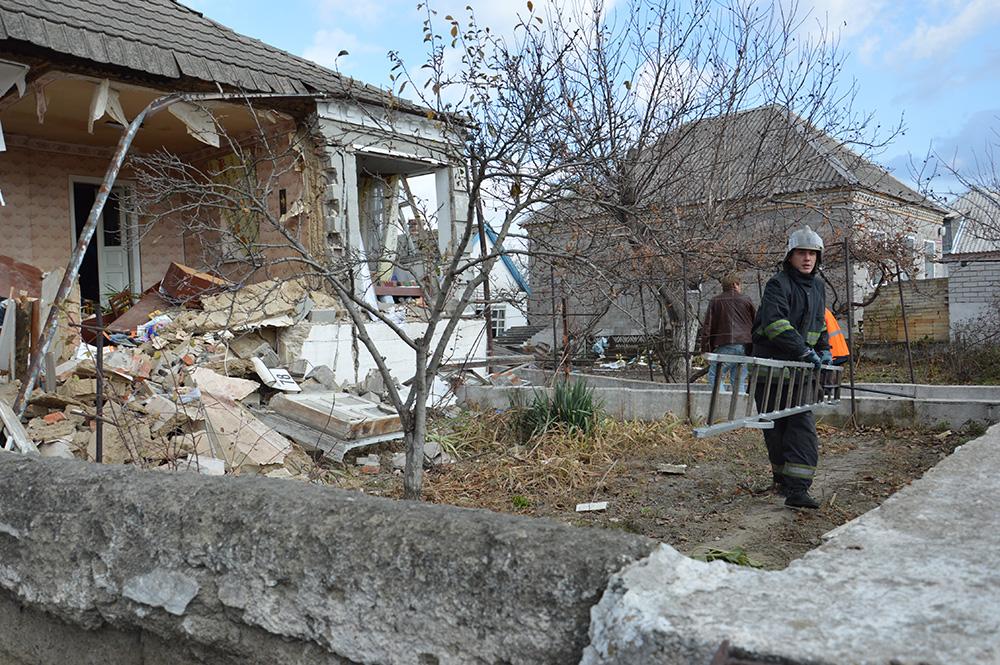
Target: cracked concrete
x,y
913,581
255,570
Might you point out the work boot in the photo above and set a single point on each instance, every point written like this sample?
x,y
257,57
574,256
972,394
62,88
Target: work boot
x,y
778,485
801,500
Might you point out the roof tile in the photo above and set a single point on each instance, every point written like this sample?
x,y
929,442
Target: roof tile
x,y
165,38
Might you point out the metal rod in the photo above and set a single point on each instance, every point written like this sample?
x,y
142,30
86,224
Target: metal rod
x,y
687,345
767,391
555,332
99,401
906,328
736,391
849,287
487,308
645,330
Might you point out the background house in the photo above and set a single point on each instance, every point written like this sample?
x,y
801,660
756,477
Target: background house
x,y
721,194
972,256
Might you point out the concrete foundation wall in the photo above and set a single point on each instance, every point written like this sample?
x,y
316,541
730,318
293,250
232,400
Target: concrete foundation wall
x,y
115,565
945,406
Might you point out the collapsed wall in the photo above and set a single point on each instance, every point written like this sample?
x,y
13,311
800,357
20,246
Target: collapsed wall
x,y
124,566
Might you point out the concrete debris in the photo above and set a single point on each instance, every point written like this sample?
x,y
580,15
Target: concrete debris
x,y
343,416
206,376
323,375
398,461
369,464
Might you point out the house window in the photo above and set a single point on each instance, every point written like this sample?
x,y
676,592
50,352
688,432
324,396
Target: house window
x,y
498,320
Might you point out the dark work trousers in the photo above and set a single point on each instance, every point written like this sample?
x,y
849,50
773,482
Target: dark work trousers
x,y
792,445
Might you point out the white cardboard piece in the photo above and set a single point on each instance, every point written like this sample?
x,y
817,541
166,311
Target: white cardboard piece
x,y
276,377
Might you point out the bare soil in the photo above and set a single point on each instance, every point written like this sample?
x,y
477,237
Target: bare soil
x,y
722,501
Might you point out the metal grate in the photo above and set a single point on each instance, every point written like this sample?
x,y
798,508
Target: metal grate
x,y
788,387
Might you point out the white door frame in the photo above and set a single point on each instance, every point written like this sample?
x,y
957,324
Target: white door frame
x,y
130,229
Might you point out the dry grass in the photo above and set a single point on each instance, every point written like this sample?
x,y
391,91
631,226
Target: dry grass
x,y
558,468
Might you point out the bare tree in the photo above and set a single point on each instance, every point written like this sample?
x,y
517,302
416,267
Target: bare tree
x,y
593,128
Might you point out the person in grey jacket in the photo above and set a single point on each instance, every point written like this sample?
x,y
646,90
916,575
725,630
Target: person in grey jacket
x,y
791,325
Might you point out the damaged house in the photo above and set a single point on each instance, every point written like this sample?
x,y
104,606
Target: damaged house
x,y
332,151
718,195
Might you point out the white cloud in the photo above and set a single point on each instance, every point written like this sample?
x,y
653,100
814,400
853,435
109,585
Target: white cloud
x,y
327,43
937,39
368,12
846,18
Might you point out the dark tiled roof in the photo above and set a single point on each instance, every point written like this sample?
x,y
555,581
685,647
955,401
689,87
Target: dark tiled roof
x,y
165,38
765,152
976,230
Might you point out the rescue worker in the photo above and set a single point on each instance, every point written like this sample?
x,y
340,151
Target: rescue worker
x,y
790,325
838,342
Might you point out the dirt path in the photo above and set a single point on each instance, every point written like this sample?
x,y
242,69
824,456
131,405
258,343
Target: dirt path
x,y
721,501
724,504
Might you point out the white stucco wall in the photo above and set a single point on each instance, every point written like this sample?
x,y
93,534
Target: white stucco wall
x,y
331,345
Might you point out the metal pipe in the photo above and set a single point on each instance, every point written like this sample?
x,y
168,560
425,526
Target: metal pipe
x,y
849,288
555,332
76,259
906,328
687,345
99,401
487,308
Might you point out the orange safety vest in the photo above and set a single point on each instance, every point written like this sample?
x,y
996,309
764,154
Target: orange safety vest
x,y
838,343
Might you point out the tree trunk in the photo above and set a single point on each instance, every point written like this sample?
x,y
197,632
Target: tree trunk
x,y
415,432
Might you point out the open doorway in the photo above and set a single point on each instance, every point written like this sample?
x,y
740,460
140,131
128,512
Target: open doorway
x,y
111,263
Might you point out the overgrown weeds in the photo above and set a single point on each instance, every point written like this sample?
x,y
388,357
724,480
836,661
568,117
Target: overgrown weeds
x,y
558,467
571,406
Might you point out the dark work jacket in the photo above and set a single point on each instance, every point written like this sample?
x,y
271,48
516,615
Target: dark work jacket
x,y
729,320
791,318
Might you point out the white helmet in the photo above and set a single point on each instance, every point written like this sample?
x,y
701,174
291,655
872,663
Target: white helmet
x,y
805,238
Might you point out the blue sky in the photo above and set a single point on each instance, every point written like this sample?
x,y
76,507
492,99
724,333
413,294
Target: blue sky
x,y
933,63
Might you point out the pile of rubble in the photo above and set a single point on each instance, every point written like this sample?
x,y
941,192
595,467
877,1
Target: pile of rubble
x,y
193,381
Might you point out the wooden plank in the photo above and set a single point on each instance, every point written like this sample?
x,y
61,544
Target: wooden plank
x,y
16,434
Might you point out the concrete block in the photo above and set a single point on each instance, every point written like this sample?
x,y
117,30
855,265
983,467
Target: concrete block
x,y
325,316
324,376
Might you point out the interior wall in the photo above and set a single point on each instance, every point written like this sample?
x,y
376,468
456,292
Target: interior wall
x,y
35,222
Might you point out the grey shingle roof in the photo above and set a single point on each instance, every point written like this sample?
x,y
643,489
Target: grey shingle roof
x,y
978,225
769,151
165,38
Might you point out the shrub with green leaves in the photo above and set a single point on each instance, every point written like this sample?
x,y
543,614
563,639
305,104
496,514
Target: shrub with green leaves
x,y
571,405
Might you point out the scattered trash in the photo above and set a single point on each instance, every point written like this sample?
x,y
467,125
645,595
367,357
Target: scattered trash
x,y
591,507
672,469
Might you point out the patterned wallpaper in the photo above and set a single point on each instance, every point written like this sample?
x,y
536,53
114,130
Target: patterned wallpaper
x,y
36,225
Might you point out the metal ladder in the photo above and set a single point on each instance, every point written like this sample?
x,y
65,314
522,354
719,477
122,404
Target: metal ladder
x,y
806,389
